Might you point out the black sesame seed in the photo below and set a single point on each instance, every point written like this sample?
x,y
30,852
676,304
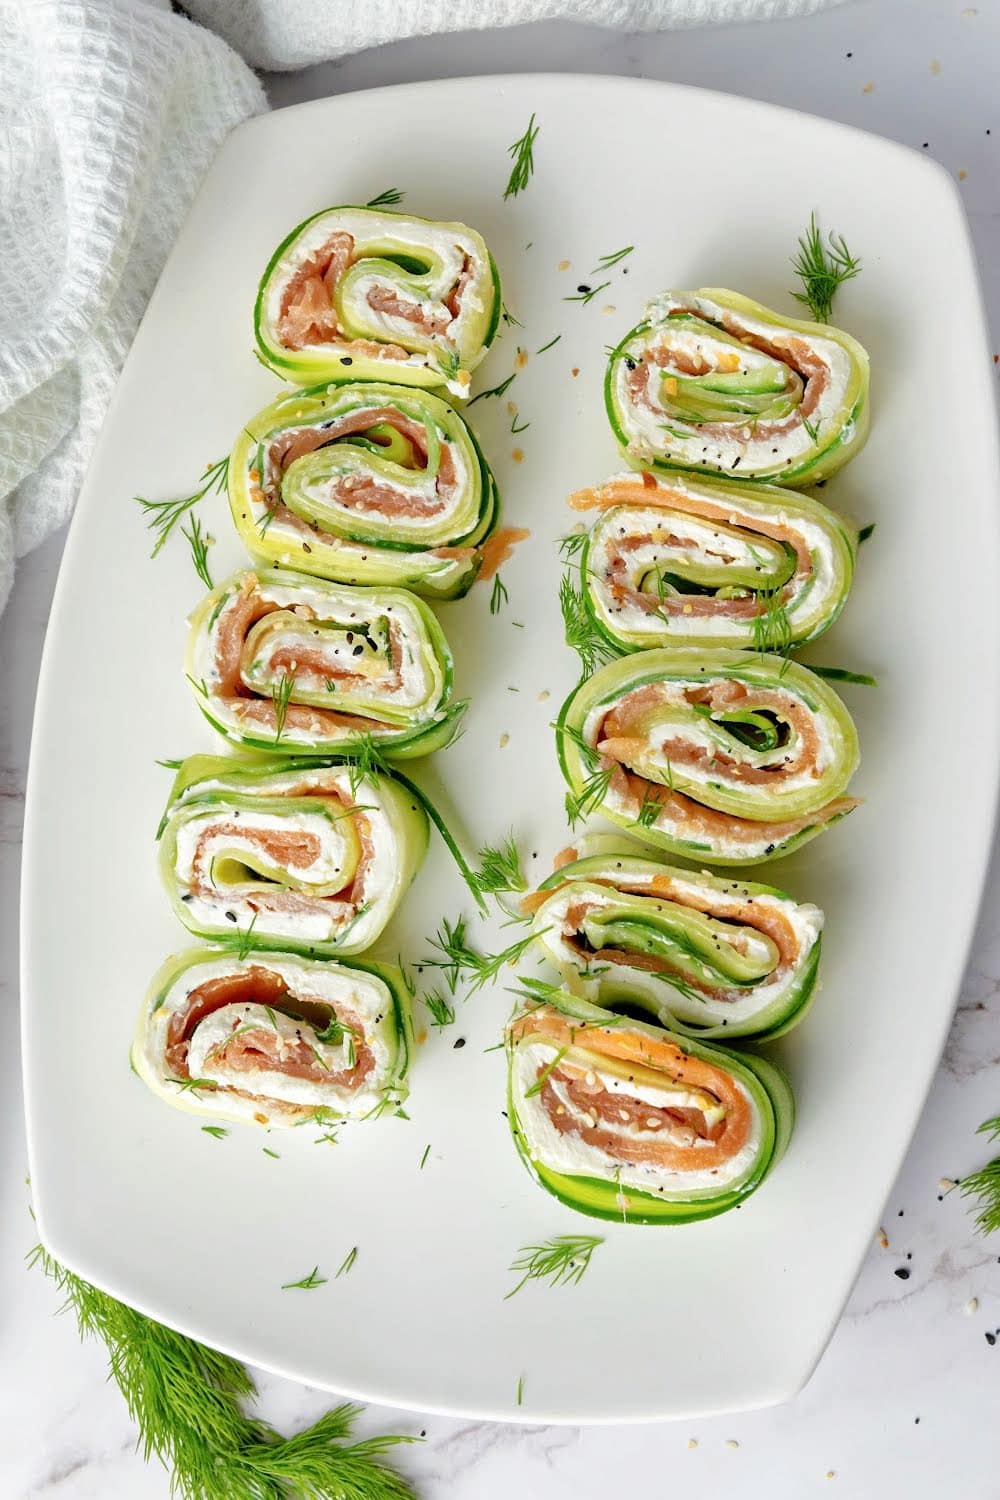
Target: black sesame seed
x,y
187,896
346,360
991,1338
583,287
459,1042
230,916
902,1273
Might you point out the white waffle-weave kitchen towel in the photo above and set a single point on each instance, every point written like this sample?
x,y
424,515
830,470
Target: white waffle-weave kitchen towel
x,y
110,112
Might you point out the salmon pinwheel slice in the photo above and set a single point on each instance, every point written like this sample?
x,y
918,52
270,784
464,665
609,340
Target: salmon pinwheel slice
x,y
625,1120
366,294
364,483
711,381
287,853
706,956
677,561
275,1039
724,756
281,662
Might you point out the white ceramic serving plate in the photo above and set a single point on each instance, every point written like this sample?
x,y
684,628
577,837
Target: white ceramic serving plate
x,y
202,1233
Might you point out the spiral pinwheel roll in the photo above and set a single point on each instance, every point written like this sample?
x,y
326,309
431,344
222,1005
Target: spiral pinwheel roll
x,y
726,756
365,294
697,562
282,662
708,957
287,853
711,381
273,1038
364,483
624,1120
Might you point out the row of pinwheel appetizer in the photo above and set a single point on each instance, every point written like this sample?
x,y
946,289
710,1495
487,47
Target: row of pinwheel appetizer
x,y
701,738
353,497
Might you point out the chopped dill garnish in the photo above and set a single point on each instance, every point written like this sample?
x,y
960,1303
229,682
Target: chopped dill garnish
x,y
522,152
866,531
499,597
170,765
500,868
347,1262
495,390
218,1131
841,674
590,796
458,960
549,345
449,363
199,551
245,942
560,1261
813,431
571,544
367,760
442,1011
508,317
163,515
520,1390
580,630
423,1159
588,295
649,808
822,269
307,1283
281,693
268,1152
607,261
772,629
515,427
385,199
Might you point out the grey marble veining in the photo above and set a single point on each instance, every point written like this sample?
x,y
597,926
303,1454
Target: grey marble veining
x,y
904,1401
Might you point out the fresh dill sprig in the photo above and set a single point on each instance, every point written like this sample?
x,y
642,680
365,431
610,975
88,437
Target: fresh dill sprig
x,y
549,345
163,515
499,597
984,1184
812,430
245,940
822,269
772,628
522,152
281,693
307,1283
449,363
590,796
347,1262
385,199
495,390
459,961
571,545
508,317
866,532
442,1011
579,628
560,1261
186,1400
199,551
367,760
841,674
649,807
500,868
607,261
588,295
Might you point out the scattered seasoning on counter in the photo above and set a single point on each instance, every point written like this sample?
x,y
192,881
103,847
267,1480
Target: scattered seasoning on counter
x,y
869,88
731,1443
692,1442
883,1239
972,1306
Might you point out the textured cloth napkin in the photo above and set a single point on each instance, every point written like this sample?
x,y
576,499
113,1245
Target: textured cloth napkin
x,y
110,113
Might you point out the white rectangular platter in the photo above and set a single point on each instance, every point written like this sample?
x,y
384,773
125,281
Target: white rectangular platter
x,y
202,1233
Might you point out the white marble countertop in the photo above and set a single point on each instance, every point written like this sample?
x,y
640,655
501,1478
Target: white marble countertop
x,y
904,1401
